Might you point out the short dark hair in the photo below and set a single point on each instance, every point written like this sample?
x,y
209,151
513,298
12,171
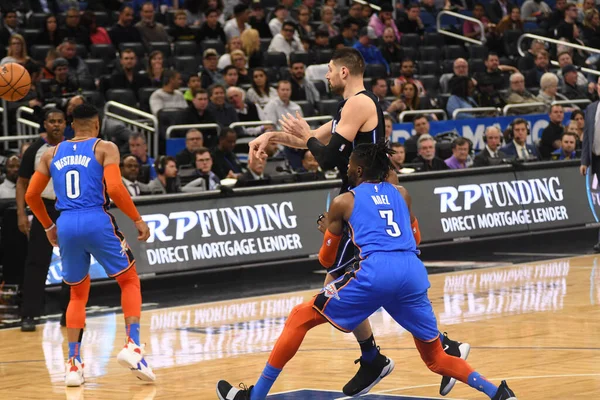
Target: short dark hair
x,y
228,68
555,105
53,111
570,134
575,113
407,60
125,157
125,7
396,145
85,111
350,58
201,91
373,157
200,151
168,74
283,81
491,53
519,121
375,80
223,134
321,33
459,141
210,11
127,50
412,5
348,22
239,9
214,86
288,23
420,116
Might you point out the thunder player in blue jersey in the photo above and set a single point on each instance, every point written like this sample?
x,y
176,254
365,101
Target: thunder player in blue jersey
x,y
390,275
85,171
359,119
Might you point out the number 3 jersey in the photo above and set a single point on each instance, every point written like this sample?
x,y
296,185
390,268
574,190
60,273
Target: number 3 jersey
x,y
78,177
380,220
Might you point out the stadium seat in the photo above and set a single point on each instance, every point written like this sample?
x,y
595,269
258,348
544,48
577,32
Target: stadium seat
x,y
102,18
106,52
87,83
186,64
509,40
144,98
39,51
264,44
138,48
300,57
410,53
123,96
96,66
452,52
168,117
307,108
395,69
433,39
272,74
321,87
81,51
429,68
430,53
410,40
478,51
430,83
186,48
448,66
214,44
373,70
94,97
323,56
328,107
275,59
37,20
164,47
284,73
30,36
476,65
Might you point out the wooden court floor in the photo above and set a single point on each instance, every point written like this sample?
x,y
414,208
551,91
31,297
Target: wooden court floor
x,y
537,325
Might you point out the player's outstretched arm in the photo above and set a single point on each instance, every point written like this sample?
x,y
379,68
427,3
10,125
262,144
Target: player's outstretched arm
x,y
340,210
109,155
33,196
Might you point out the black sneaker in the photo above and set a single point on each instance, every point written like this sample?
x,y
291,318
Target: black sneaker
x,y
455,349
227,392
504,393
369,375
27,324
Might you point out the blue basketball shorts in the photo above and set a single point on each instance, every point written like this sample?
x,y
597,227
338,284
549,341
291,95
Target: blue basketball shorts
x,y
91,232
396,281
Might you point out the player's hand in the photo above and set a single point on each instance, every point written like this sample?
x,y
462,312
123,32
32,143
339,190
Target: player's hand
x,y
52,236
295,126
258,145
24,224
143,230
323,222
583,169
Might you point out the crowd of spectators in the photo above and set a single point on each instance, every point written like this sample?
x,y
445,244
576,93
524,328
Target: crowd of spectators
x,y
224,62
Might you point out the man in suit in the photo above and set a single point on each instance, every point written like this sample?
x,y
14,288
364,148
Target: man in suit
x,y
491,154
518,148
426,157
256,172
130,169
590,153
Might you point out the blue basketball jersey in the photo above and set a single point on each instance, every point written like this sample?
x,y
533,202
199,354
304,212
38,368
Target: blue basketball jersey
x,y
380,220
78,177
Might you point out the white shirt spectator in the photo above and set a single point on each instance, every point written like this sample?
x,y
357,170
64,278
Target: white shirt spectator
x,y
276,108
275,26
8,190
261,102
132,187
232,30
279,44
161,99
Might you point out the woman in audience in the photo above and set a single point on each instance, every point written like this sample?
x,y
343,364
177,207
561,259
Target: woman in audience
x,y
235,43
591,28
251,47
156,68
238,60
98,34
49,34
327,15
549,90
511,22
409,101
261,92
17,50
461,97
304,28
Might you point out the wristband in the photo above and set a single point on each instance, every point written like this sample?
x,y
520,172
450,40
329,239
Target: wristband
x,y
50,228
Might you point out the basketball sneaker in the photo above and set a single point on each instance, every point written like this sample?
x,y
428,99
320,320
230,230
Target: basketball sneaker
x,y
455,349
227,392
74,373
132,357
504,393
369,375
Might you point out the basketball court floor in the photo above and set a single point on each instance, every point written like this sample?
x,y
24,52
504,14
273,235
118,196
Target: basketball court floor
x,y
536,325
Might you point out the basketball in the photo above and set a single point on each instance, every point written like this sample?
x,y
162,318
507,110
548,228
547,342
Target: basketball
x,y
15,82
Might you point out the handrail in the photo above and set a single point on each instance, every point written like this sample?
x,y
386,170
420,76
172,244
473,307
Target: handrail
x,y
571,102
474,110
152,131
191,126
582,69
509,107
555,41
318,118
234,125
24,122
18,138
456,35
418,112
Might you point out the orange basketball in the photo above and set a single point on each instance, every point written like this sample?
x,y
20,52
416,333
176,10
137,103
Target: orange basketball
x,y
15,82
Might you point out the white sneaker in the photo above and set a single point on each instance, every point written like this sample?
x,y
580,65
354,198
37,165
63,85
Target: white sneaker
x,y
74,373
132,357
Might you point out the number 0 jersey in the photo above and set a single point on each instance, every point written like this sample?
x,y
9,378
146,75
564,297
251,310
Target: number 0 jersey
x,y
78,177
380,220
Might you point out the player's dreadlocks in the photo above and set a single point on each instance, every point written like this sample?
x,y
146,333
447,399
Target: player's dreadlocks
x,y
374,158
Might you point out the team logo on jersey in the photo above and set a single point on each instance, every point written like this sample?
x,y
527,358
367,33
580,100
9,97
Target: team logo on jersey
x,y
342,147
124,247
331,291
376,189
74,147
